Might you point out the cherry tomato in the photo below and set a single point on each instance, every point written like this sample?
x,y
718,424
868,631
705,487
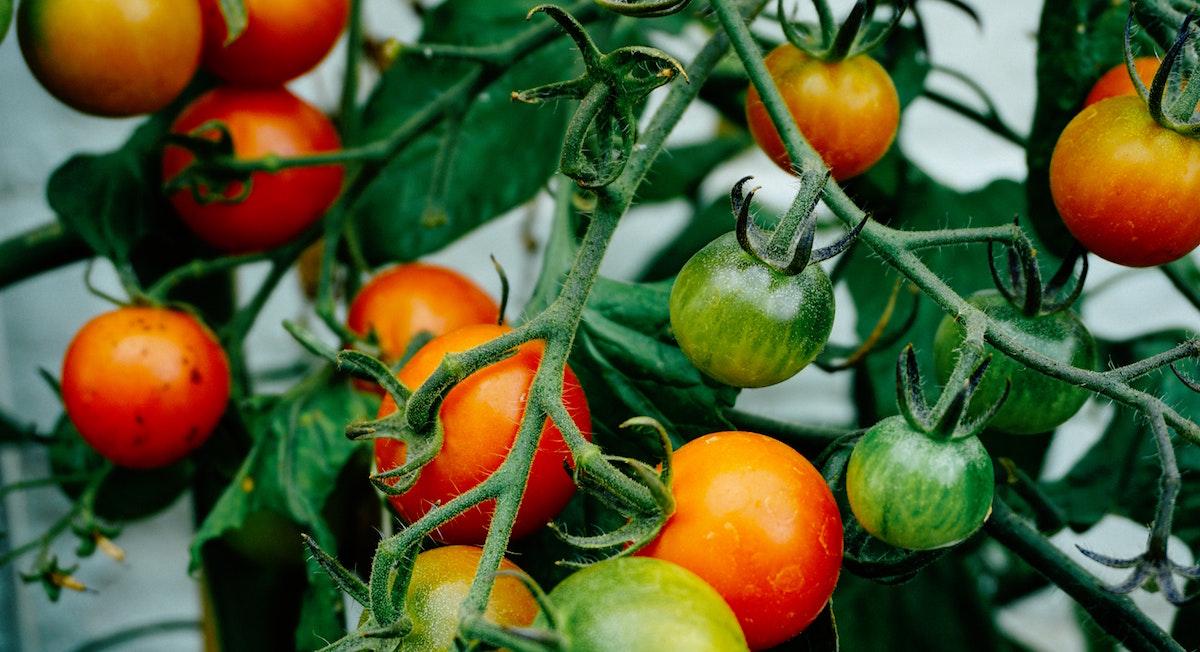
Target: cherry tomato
x,y
283,39
280,205
145,386
745,324
1036,402
849,110
1123,184
642,605
917,492
401,302
1116,81
440,582
754,519
111,57
480,418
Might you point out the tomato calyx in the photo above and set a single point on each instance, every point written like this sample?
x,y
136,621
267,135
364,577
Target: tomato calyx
x,y
207,178
788,249
1172,101
1022,284
830,42
641,494
948,418
601,134
645,8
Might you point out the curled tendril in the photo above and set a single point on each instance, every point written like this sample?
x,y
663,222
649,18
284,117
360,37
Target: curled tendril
x,y
601,135
644,8
205,178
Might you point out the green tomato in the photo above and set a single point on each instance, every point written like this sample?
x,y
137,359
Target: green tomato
x,y
1036,402
641,604
917,492
744,323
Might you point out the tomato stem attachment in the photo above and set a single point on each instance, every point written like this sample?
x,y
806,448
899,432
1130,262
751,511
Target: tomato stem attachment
x,y
1022,286
850,39
1171,80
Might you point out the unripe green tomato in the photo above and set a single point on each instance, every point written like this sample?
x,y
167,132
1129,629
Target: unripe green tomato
x,y
641,604
917,492
1036,402
743,322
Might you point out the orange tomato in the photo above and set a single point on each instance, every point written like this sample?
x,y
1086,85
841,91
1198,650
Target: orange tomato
x,y
283,39
282,204
480,418
849,110
111,57
405,300
145,386
1116,81
754,519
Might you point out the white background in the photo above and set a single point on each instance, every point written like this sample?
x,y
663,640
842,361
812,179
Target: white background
x,y
38,317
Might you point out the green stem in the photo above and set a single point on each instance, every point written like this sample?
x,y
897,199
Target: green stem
x,y
39,250
348,115
1115,614
199,269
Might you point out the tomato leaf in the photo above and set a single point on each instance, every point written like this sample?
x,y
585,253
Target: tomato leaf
x,y
6,14
234,13
630,366
408,211
300,448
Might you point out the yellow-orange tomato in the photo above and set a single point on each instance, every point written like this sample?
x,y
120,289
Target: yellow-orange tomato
x,y
849,110
112,57
283,39
480,418
754,519
281,204
1116,81
441,579
401,302
1125,186
145,386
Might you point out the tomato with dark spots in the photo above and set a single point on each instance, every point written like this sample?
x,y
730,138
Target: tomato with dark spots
x,y
129,383
756,520
480,419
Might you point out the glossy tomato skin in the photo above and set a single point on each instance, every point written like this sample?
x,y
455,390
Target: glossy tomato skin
x,y
1036,402
635,604
849,110
480,418
1116,82
754,519
145,386
1123,184
283,39
744,323
403,301
111,58
915,492
280,205
440,582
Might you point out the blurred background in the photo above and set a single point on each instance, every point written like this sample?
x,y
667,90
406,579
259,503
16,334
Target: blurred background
x,y
39,317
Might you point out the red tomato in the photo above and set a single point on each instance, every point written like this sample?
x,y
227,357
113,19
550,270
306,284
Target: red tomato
x,y
282,204
111,57
849,110
145,386
1125,186
756,521
283,39
480,418
1116,81
405,300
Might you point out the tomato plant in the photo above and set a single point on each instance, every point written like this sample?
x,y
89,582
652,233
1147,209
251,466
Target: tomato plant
x,y
1036,402
638,604
277,206
281,40
1116,176
480,418
754,519
111,57
145,386
406,300
848,109
440,581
